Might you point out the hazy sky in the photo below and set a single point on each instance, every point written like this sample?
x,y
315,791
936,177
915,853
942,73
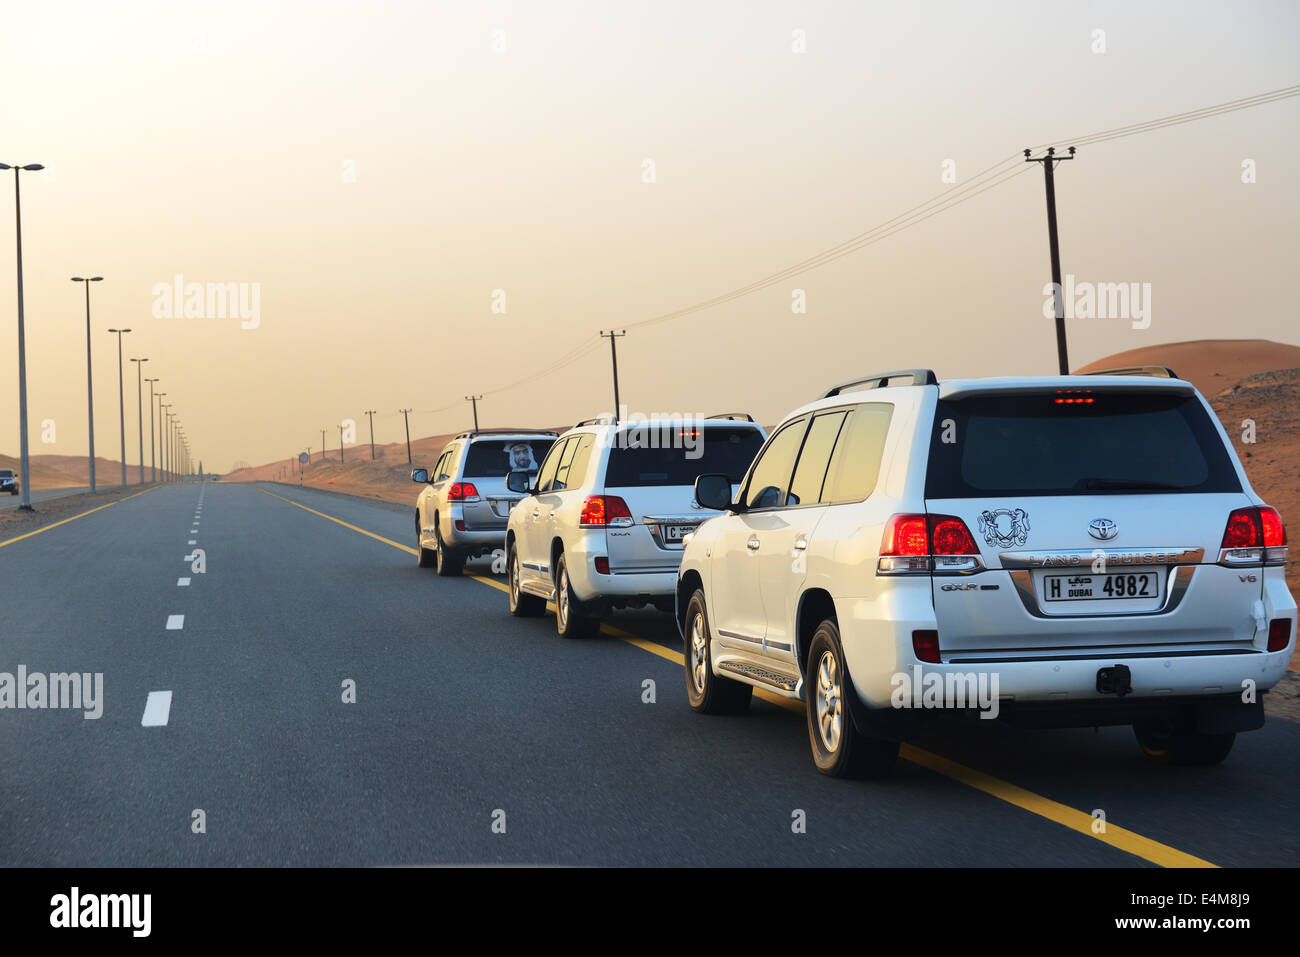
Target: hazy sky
x,y
379,169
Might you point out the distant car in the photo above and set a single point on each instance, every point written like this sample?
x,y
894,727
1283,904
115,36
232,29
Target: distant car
x,y
8,481
1085,549
603,522
461,513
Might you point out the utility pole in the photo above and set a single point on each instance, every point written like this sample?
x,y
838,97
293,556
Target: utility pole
x,y
340,444
473,400
613,355
322,445
371,413
406,417
1049,162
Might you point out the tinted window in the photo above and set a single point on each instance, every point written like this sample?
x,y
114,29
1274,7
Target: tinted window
x,y
1036,444
771,476
493,458
810,473
552,462
683,454
581,460
855,464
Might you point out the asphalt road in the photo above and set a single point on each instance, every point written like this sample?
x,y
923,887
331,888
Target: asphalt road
x,y
464,717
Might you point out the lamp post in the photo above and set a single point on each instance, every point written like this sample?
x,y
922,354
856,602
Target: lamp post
x,y
139,410
90,386
121,399
24,466
153,464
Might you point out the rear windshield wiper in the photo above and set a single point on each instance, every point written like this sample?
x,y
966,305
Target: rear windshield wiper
x,y
1097,484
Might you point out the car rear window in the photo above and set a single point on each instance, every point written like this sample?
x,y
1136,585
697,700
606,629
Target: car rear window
x,y
493,458
1076,443
711,449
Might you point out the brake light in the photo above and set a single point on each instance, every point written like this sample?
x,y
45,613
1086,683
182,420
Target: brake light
x,y
1073,397
950,536
462,492
599,511
1279,633
602,565
905,535
1254,534
926,645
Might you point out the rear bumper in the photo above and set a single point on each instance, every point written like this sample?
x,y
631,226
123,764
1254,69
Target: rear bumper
x,y
590,585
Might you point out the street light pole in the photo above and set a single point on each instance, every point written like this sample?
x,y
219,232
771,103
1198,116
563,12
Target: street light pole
x,y
90,386
121,400
24,467
139,410
153,465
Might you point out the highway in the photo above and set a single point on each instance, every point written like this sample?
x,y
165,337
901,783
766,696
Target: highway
x,y
468,723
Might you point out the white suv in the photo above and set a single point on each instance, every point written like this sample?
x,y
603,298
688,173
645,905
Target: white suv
x,y
1071,551
603,522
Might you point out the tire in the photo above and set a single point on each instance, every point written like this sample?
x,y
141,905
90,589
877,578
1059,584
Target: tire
x,y
424,557
708,693
839,749
1168,745
570,622
522,604
446,560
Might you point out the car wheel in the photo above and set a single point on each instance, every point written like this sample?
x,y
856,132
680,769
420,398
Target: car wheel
x,y
1168,745
570,622
423,556
447,561
707,692
522,604
839,748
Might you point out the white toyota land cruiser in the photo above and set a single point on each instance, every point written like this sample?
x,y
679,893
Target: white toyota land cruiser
x,y
1085,550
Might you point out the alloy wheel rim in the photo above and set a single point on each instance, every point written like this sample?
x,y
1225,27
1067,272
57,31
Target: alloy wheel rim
x,y
514,579
699,655
830,716
562,598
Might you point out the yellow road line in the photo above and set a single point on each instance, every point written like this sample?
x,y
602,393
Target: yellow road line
x,y
1117,837
70,518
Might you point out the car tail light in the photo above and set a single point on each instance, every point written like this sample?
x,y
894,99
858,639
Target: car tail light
x,y
917,544
599,511
1254,535
926,645
462,492
1279,633
460,525
602,565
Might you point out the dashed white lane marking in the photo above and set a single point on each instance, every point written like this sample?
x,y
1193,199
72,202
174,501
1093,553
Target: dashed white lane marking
x,y
192,542
182,582
157,707
175,622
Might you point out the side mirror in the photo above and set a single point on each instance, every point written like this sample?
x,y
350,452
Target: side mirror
x,y
519,481
713,490
420,476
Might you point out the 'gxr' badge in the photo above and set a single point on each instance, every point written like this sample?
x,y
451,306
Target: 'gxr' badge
x,y
1102,529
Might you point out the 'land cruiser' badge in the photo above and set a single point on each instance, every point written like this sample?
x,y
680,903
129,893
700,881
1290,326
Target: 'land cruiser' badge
x,y
1005,527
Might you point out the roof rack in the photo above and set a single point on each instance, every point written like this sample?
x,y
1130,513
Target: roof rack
x,y
1159,372
598,420
477,432
733,416
918,377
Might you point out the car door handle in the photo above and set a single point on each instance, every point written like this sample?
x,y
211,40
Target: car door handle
x,y
752,544
536,512
800,544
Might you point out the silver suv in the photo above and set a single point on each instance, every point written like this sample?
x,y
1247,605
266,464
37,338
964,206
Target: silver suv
x,y
8,481
1070,551
461,513
603,523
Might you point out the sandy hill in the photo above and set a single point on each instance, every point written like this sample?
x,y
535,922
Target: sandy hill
x,y
1212,365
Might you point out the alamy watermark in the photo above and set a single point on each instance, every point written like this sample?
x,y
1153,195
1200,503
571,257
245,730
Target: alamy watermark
x,y
922,689
1102,300
179,299
35,690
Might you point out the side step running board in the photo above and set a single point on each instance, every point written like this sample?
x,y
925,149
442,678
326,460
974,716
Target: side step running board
x,y
786,683
538,589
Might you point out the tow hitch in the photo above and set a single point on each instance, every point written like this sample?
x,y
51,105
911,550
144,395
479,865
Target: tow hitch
x,y
1116,680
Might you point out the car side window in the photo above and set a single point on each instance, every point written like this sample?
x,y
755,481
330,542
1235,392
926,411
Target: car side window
x,y
810,472
574,464
445,465
855,463
547,474
437,467
771,473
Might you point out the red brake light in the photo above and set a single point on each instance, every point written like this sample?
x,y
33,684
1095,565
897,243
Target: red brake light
x,y
1279,633
462,491
1274,527
599,510
926,645
950,536
602,565
1243,529
905,535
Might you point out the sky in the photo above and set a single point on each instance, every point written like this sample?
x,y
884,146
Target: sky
x,y
431,200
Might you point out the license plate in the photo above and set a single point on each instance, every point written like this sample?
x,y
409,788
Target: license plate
x,y
674,533
1122,585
